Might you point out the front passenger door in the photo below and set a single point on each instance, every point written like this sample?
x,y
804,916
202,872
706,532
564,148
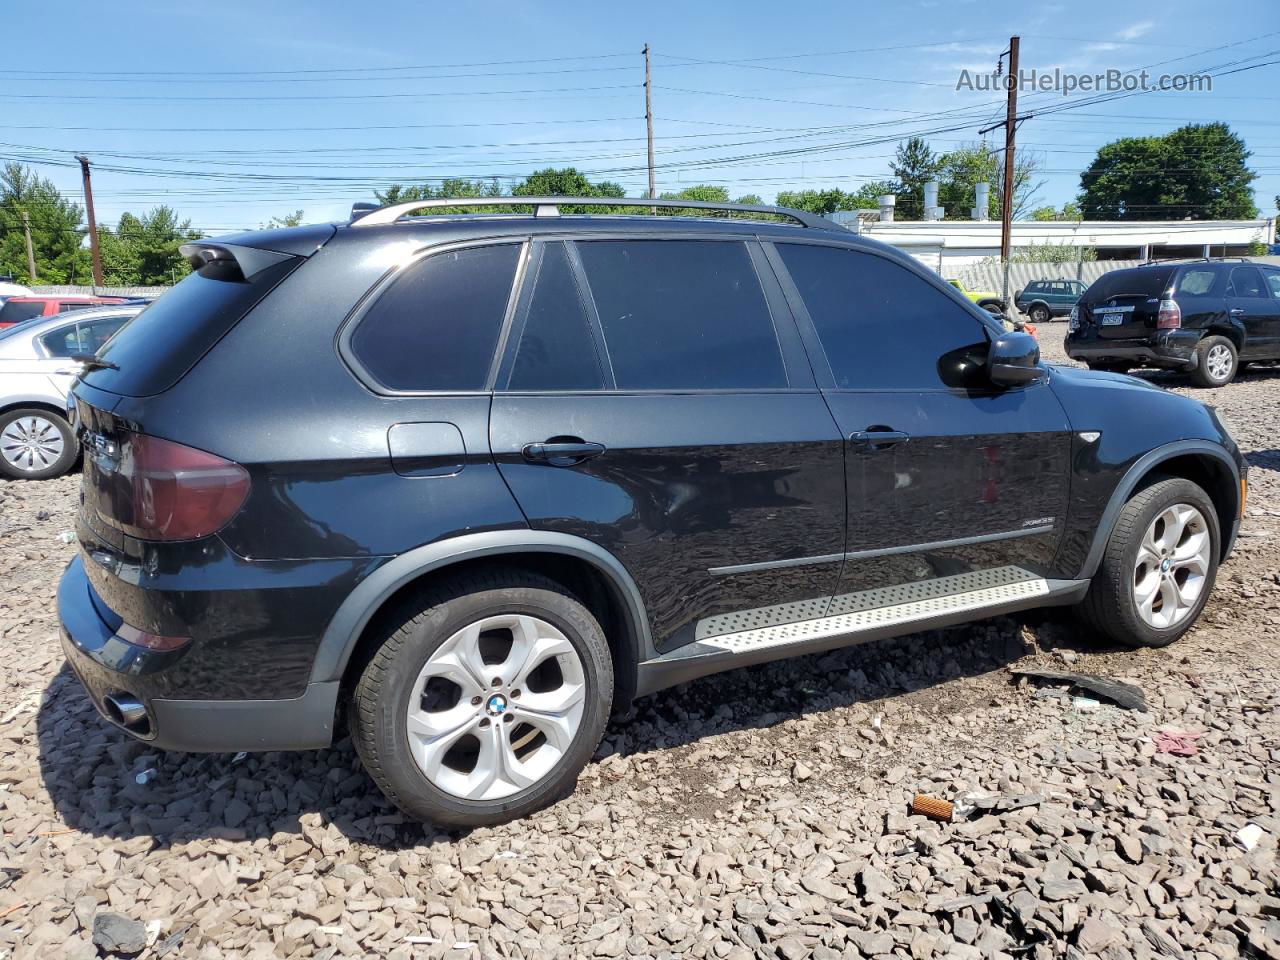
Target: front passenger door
x,y
948,477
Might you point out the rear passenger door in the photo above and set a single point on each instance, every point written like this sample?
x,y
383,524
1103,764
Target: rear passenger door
x,y
953,485
654,398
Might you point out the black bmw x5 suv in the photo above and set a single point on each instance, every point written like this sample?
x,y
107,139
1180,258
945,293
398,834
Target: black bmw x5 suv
x,y
469,483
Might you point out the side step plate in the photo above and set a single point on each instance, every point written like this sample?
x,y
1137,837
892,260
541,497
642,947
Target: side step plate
x,y
891,616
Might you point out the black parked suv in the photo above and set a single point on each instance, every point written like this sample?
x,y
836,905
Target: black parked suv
x,y
470,483
1207,317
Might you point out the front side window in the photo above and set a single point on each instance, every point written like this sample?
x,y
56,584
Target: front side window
x,y
683,315
436,326
881,325
1273,281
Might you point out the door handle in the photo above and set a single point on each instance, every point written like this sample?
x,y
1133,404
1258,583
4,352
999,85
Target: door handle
x,y
1236,311
562,453
878,439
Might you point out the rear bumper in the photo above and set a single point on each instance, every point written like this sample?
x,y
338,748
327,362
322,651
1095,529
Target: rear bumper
x,y
108,665
1169,351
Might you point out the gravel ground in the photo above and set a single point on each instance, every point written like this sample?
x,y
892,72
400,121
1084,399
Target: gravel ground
x,y
760,813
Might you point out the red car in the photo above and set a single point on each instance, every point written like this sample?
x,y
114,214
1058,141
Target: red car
x,y
17,309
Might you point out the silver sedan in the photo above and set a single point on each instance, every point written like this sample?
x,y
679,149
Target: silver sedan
x,y
37,371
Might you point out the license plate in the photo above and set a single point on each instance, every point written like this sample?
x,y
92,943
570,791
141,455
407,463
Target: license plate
x,y
1112,319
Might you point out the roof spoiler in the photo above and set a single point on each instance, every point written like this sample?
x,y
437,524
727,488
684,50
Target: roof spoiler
x,y
239,261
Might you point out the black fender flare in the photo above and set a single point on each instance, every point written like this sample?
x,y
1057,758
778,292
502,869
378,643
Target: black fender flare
x,y
1038,303
347,624
1129,482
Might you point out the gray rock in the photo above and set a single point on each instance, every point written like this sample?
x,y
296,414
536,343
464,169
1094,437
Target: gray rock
x,y
114,933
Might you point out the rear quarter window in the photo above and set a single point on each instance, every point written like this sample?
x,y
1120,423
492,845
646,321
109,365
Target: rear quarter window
x,y
1199,283
436,326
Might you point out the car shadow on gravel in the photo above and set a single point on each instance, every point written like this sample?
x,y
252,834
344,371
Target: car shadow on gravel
x,y
104,783
1263,459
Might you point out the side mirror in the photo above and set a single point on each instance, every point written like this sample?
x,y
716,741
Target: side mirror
x,y
1014,358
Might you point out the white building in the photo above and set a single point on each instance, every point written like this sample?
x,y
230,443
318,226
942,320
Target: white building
x,y
949,246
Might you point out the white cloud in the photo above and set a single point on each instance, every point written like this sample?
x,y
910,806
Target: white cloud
x,y
1136,30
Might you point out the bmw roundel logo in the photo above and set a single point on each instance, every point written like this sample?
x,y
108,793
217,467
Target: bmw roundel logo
x,y
497,704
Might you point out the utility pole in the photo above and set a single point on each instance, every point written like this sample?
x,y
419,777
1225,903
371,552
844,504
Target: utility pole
x,y
93,223
1010,125
31,254
648,122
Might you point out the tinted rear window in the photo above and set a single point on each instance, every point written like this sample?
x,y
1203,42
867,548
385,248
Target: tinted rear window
x,y
1149,282
17,311
165,340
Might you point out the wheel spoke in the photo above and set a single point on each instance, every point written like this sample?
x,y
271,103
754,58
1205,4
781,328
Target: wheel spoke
x,y
559,702
494,701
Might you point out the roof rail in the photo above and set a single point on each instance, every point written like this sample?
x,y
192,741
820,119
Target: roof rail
x,y
550,207
1194,260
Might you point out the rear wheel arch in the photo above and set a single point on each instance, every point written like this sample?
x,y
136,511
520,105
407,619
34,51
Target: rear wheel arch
x,y
1203,463
1234,334
33,405
584,569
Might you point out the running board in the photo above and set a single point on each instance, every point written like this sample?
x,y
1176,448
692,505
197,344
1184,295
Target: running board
x,y
747,647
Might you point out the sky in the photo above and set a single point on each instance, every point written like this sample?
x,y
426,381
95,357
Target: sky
x,y
236,111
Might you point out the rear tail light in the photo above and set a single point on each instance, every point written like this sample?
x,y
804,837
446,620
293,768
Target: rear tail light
x,y
152,641
176,492
1074,322
1170,315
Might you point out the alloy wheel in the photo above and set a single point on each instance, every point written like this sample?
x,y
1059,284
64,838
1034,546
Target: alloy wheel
x,y
496,706
31,444
1218,362
1173,562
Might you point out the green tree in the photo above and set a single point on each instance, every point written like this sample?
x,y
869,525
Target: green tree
x,y
1197,172
1070,211
914,165
288,220
451,187
866,197
56,232
706,193
144,250
962,169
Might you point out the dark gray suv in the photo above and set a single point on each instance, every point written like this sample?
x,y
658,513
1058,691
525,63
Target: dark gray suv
x,y
470,483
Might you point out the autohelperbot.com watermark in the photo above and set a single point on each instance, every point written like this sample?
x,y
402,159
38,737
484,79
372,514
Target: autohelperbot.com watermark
x,y
1067,82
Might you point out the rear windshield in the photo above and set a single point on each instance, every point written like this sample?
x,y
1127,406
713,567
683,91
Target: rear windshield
x,y
166,339
1147,282
15,311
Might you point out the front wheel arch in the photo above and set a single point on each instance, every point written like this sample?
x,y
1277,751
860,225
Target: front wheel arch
x,y
1206,464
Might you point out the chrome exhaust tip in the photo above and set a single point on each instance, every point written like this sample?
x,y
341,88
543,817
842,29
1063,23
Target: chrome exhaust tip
x,y
125,710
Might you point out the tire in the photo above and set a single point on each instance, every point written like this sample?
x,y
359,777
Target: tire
x,y
1039,314
1220,353
36,444
416,658
1112,604
992,308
